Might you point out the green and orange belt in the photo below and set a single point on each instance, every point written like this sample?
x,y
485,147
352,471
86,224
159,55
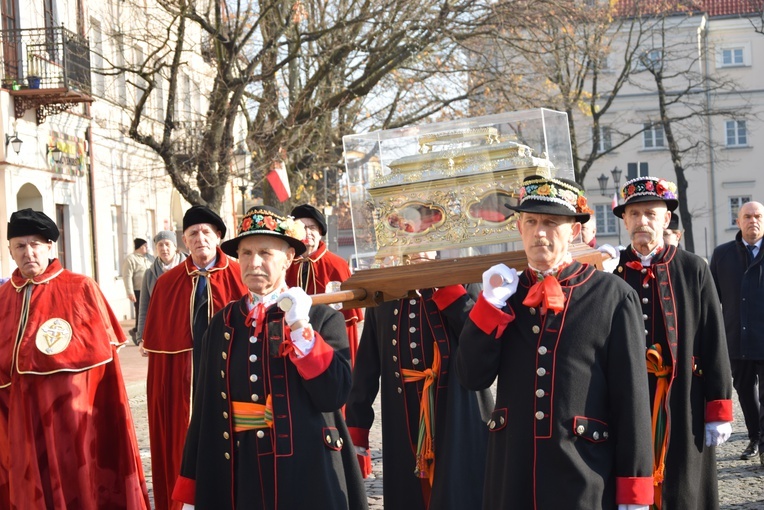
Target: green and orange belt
x,y
662,372
251,416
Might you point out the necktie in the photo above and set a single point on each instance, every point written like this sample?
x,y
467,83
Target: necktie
x,y
201,286
750,252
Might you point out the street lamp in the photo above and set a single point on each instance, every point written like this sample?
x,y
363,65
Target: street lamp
x,y
616,173
602,179
241,159
56,153
14,141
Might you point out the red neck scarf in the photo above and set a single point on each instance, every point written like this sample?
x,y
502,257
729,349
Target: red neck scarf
x,y
639,267
547,293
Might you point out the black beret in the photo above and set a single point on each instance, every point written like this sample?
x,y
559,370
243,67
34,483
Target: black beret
x,y
138,242
673,222
203,214
27,222
308,211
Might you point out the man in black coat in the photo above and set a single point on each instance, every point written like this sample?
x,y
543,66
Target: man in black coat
x,y
410,344
738,270
266,429
571,426
689,372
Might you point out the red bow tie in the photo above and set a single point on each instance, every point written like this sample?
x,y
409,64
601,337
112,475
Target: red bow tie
x,y
546,293
639,267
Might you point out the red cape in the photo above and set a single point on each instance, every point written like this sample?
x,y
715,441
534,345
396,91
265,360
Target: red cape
x,y
167,337
66,433
326,267
168,320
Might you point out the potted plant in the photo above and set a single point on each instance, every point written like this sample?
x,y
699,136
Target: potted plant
x,y
33,81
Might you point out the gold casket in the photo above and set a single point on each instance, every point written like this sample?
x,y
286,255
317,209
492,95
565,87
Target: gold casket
x,y
443,187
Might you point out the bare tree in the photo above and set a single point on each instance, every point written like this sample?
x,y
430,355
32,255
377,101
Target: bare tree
x,y
302,73
682,86
567,56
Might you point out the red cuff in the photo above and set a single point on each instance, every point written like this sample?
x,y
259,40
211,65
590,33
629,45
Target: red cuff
x,y
445,296
185,490
489,318
359,436
634,490
719,410
316,361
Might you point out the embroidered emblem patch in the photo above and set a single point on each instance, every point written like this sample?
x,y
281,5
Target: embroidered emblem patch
x,y
53,336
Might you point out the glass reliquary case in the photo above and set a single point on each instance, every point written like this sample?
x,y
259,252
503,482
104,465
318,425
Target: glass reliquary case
x,y
443,186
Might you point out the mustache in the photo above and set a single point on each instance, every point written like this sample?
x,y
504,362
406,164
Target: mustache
x,y
541,242
643,230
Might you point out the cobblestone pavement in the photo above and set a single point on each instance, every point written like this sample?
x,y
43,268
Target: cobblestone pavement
x,y
741,483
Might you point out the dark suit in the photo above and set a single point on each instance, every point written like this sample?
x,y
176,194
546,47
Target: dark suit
x,y
740,284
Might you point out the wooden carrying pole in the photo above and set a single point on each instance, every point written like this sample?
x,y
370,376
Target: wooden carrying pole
x,y
371,287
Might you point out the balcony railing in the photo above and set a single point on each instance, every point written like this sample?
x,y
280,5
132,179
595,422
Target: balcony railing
x,y
45,68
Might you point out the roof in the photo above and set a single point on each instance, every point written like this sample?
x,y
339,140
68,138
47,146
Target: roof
x,y
713,8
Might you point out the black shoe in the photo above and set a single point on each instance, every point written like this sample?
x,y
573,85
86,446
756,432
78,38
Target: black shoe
x,y
751,451
134,336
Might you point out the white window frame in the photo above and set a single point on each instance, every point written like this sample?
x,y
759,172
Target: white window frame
x,y
650,137
606,139
730,48
736,133
606,220
735,203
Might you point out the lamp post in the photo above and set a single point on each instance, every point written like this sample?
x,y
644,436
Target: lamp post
x,y
602,180
616,173
241,159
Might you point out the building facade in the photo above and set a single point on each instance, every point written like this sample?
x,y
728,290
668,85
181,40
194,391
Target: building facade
x,y
66,102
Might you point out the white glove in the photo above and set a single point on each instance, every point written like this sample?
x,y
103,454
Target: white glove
x,y
610,250
499,283
628,507
299,308
717,432
186,506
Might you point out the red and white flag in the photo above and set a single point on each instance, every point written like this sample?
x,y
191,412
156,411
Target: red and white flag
x,y
615,200
279,180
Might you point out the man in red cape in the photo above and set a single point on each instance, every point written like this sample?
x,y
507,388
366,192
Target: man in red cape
x,y
319,266
66,434
183,301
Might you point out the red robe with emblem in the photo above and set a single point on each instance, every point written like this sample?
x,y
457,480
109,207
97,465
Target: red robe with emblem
x,y
322,267
168,339
66,433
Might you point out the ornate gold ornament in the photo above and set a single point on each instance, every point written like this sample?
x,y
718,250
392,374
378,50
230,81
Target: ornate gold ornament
x,y
53,336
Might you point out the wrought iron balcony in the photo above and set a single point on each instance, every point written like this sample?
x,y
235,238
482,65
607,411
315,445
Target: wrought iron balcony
x,y
47,69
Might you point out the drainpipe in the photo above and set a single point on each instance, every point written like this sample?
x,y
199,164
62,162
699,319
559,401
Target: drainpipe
x,y
709,126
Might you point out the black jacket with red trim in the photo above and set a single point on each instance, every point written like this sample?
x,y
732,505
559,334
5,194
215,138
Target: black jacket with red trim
x,y
307,459
681,311
571,427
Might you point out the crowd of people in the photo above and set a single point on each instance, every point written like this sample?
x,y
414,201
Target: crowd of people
x,y
555,385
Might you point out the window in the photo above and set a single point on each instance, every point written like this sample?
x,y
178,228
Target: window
x,y
117,238
734,55
737,135
634,170
606,220
648,60
652,136
99,88
605,142
735,204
